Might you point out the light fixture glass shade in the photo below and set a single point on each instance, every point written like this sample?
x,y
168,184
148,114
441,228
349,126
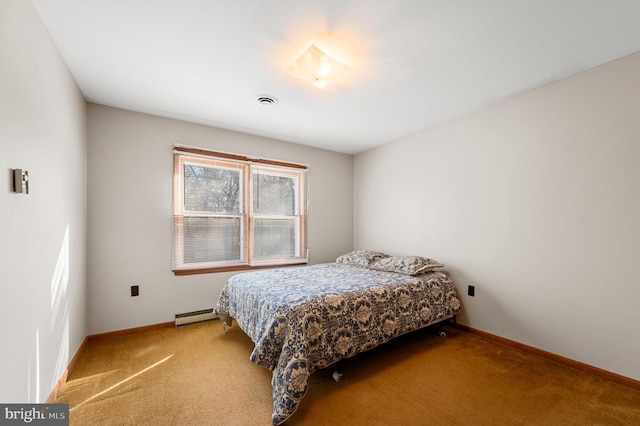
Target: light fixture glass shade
x,y
317,67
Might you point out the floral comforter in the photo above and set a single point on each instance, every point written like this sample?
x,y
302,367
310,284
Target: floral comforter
x,y
305,318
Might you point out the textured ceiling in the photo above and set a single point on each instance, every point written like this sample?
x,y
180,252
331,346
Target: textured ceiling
x,y
415,63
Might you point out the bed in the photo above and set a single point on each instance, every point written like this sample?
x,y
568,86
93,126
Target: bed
x,y
306,318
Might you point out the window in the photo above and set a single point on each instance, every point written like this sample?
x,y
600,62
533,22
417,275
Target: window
x,y
232,212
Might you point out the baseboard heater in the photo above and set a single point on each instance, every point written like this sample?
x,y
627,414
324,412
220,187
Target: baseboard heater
x,y
195,317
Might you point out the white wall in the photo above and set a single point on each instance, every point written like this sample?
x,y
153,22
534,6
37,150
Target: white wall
x,y
535,201
42,234
130,213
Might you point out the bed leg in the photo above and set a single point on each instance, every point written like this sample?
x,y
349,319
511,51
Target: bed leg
x,y
441,331
337,373
225,326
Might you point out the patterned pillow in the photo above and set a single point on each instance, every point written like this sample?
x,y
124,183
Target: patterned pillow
x,y
408,265
361,257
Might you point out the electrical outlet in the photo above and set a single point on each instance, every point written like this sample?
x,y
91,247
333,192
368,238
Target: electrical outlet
x,y
135,290
471,290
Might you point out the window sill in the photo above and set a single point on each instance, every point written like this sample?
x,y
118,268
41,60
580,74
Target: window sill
x,y
180,272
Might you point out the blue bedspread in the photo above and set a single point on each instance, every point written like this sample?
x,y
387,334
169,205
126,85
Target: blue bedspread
x,y
305,318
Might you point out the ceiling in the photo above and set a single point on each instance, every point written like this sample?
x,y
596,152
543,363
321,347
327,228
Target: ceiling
x,y
415,63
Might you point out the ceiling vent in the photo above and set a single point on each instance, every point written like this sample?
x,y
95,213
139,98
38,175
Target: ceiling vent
x,y
267,100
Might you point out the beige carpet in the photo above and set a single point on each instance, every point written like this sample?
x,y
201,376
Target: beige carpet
x,y
200,375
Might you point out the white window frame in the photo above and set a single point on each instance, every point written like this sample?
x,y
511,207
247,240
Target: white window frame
x,y
296,217
247,166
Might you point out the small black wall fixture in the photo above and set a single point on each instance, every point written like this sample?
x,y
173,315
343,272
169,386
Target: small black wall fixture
x,y
20,181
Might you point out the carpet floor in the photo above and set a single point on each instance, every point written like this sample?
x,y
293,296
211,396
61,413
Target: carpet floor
x,y
201,375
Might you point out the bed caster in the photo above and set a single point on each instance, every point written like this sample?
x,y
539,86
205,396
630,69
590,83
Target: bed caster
x,y
442,333
225,326
337,376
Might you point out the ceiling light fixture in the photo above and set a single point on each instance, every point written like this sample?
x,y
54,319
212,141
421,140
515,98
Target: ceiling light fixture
x,y
317,67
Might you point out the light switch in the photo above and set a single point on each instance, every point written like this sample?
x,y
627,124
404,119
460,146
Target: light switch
x,y
20,181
